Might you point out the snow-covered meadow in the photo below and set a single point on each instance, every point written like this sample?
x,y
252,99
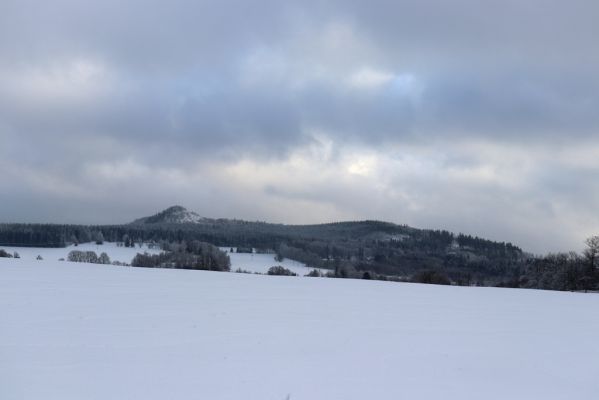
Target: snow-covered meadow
x,y
255,262
84,331
116,253
248,262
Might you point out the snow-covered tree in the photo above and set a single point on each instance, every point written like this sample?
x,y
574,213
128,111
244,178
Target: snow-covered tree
x,y
104,259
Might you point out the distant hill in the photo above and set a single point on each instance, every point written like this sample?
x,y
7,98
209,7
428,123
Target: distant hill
x,y
178,217
172,215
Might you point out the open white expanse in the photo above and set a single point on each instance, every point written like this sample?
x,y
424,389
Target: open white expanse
x,y
82,331
262,262
248,262
116,253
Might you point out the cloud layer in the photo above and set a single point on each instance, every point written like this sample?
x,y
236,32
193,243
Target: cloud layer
x,y
478,118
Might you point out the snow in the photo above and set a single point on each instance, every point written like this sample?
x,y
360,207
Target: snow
x,y
246,261
83,331
180,215
116,253
186,217
255,262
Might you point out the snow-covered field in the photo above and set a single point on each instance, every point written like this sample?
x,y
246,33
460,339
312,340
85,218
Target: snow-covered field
x,y
248,262
116,253
83,331
262,262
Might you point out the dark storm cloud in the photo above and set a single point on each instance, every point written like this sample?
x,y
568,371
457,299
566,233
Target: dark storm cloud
x,y
97,96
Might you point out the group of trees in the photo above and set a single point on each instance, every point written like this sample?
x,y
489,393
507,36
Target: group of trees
x,y
186,255
279,270
88,257
5,254
127,241
561,271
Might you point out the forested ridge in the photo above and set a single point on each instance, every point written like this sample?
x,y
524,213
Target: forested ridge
x,y
373,249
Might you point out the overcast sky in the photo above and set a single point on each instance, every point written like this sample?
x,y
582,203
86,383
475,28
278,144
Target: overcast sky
x,y
474,116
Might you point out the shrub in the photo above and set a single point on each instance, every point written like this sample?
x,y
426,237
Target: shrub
x,y
5,254
103,259
314,273
432,277
278,270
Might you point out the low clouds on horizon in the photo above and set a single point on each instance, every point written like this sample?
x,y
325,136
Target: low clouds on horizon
x,y
476,117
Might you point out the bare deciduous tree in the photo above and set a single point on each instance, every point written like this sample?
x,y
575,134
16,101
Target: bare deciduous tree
x,y
592,251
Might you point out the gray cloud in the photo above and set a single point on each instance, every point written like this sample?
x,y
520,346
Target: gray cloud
x,y
305,112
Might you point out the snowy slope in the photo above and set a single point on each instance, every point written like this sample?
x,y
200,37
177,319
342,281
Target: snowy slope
x,y
81,331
